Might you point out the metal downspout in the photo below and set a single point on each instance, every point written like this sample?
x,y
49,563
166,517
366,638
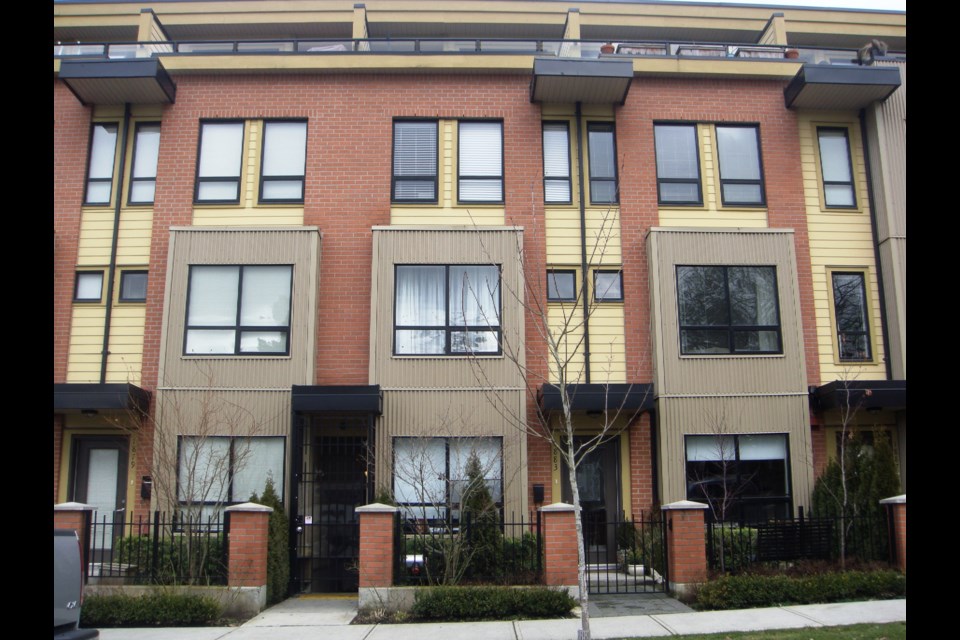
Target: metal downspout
x,y
884,337
585,274
111,272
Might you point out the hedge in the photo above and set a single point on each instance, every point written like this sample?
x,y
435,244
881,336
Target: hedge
x,y
153,610
490,603
746,591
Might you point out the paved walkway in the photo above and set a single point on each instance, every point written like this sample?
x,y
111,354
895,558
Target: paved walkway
x,y
328,618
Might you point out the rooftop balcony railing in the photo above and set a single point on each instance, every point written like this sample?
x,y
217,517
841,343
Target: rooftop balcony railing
x,y
439,46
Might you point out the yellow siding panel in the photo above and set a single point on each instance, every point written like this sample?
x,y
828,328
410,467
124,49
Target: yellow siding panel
x,y
96,234
425,216
728,218
251,185
247,216
566,332
86,343
448,166
133,244
608,363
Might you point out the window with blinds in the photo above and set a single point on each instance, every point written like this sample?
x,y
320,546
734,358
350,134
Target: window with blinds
x,y
414,161
556,162
480,162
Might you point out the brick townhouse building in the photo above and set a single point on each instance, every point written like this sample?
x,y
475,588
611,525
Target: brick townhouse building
x,y
314,240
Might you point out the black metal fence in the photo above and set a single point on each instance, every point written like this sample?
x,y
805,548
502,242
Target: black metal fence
x,y
625,555
162,549
479,550
734,547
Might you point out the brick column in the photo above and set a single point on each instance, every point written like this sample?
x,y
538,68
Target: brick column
x,y
75,516
376,545
560,557
247,545
897,507
686,545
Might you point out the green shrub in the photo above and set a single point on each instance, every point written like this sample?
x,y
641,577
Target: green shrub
x,y
484,548
746,591
732,548
278,545
490,603
181,558
154,610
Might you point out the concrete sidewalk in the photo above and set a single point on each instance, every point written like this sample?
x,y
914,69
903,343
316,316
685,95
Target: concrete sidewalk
x,y
328,618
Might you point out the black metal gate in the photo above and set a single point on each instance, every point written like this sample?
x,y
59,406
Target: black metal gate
x,y
331,483
626,556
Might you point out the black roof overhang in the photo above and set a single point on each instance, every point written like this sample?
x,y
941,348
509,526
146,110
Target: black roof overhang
x,y
84,397
863,394
626,399
586,81
337,399
106,81
840,87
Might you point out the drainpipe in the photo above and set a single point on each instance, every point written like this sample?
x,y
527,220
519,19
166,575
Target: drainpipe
x,y
111,272
874,226
583,250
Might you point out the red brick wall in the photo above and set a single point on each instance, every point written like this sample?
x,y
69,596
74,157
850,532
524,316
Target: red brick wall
x,y
686,546
560,554
247,550
641,466
57,453
900,533
376,549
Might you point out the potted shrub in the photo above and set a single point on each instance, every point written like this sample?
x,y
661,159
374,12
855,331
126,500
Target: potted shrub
x,y
607,48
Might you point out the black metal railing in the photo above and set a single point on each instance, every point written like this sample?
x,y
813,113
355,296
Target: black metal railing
x,y
625,555
474,551
162,549
735,547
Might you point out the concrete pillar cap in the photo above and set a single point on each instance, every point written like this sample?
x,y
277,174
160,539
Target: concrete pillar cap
x,y
901,499
73,506
251,507
558,507
377,507
683,504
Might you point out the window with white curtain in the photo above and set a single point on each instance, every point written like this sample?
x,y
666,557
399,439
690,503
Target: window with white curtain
x,y
414,161
556,163
283,164
238,310
103,150
218,169
480,161
447,309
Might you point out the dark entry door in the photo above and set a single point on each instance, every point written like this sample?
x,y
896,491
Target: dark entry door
x,y
598,482
100,479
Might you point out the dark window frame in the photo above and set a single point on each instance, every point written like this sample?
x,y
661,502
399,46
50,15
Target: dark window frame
x,y
604,127
238,178
133,165
596,289
238,328
698,181
302,178
113,165
729,327
460,175
864,312
568,179
557,272
760,182
824,183
434,179
123,278
76,286
448,328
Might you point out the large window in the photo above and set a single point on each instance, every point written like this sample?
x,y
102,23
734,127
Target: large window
x,y
143,173
447,309
743,478
603,163
850,312
480,162
88,286
741,176
238,310
103,149
835,167
284,161
430,474
556,163
730,309
218,167
133,286
561,285
678,164
414,161
216,471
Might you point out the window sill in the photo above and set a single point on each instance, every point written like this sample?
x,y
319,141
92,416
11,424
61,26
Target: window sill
x,y
240,357
440,356
841,210
727,356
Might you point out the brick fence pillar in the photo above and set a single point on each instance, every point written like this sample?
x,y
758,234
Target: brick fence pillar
x,y
75,516
247,545
897,507
377,527
560,556
686,545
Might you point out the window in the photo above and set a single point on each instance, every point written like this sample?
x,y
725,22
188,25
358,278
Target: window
x,y
678,164
561,286
88,286
728,309
238,310
835,167
414,161
283,163
741,178
742,477
556,163
133,286
430,474
603,163
103,148
143,174
220,159
607,286
447,310
480,162
850,313
215,471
